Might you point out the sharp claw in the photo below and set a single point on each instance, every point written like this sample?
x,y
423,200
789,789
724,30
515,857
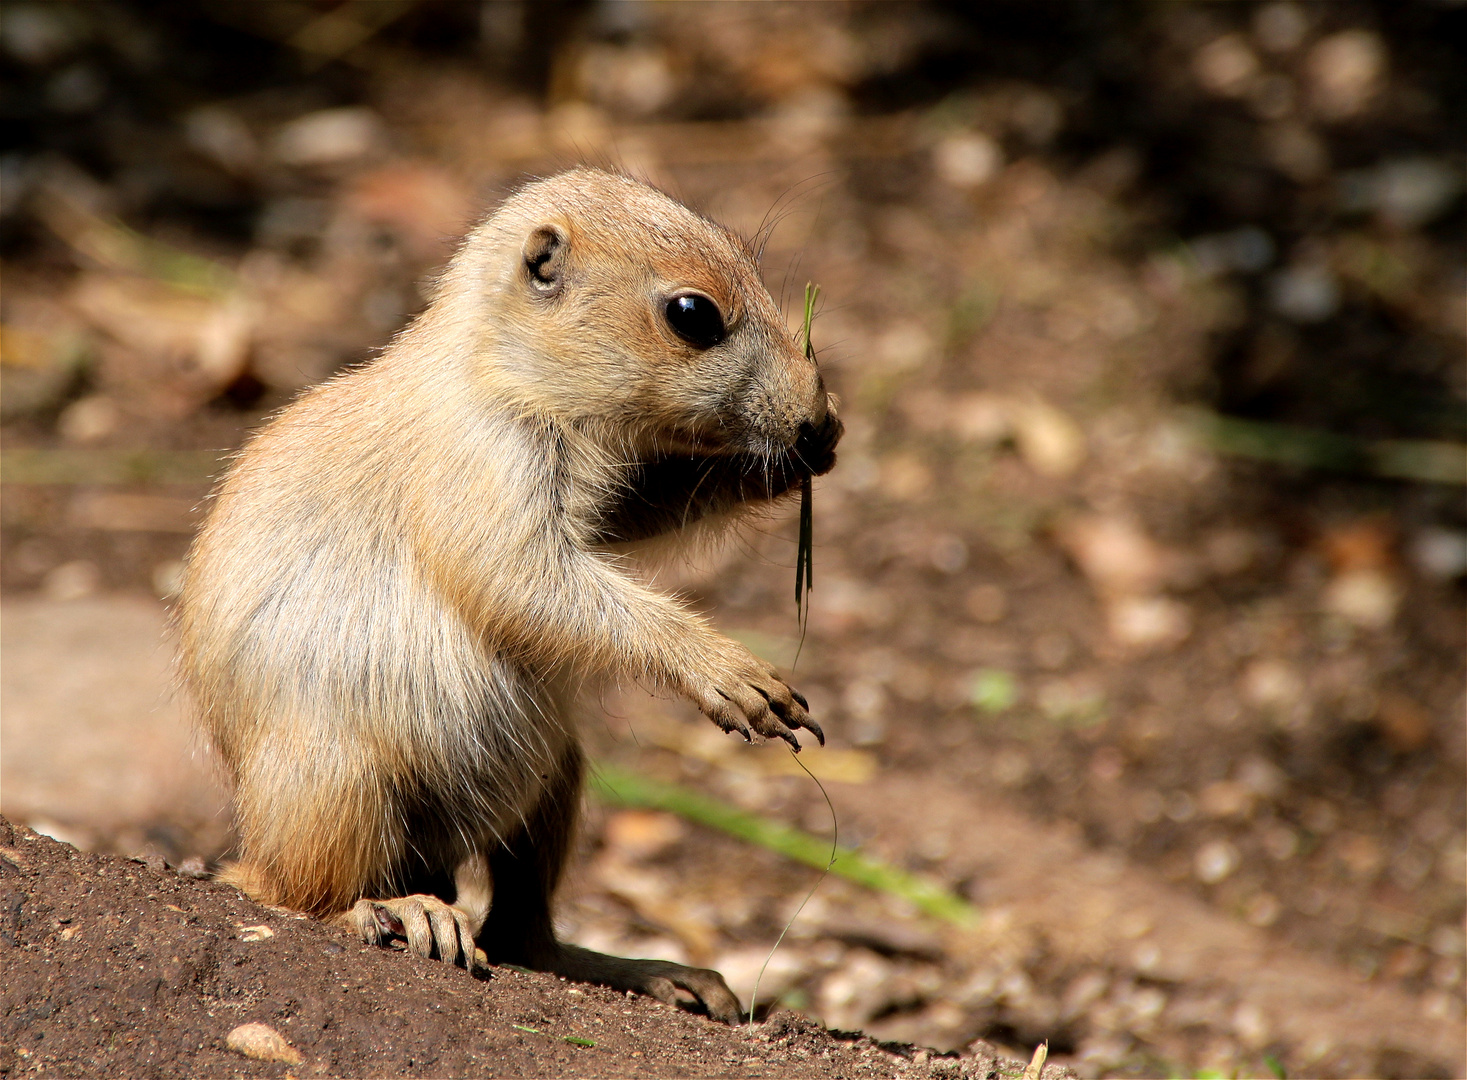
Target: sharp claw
x,y
708,994
445,934
737,726
801,699
419,930
777,730
465,940
727,717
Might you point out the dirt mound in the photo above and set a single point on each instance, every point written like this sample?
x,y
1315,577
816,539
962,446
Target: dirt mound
x,y
119,967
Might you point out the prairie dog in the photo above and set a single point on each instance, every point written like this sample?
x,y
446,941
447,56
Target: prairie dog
x,y
407,575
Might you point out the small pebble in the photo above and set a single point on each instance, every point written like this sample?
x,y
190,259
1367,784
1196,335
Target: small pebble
x,y
263,1043
194,867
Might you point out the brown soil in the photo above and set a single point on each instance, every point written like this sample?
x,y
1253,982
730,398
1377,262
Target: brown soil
x,y
121,967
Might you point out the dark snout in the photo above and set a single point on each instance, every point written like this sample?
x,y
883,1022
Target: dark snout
x,y
814,447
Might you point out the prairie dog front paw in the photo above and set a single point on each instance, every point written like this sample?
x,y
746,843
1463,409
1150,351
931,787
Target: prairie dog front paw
x,y
745,694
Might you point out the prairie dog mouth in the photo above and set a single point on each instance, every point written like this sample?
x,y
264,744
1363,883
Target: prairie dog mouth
x,y
674,489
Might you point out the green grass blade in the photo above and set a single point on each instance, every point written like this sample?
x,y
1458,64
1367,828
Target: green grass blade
x,y
812,293
1426,460
620,787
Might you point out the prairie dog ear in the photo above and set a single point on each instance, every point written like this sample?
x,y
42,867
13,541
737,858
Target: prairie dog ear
x,y
544,253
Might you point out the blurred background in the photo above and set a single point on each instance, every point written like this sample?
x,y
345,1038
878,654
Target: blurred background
x,y
1138,618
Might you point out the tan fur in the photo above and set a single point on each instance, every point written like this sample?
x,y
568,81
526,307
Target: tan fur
x,y
401,582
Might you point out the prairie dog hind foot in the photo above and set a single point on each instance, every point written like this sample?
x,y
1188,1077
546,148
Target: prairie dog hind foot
x,y
431,928
659,979
436,930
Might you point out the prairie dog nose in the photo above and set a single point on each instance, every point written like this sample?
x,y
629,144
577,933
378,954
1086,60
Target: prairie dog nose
x,y
815,445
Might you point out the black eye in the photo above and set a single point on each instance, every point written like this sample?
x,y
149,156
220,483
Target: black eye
x,y
696,319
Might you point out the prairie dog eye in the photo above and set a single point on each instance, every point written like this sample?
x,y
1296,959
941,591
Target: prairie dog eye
x,y
696,319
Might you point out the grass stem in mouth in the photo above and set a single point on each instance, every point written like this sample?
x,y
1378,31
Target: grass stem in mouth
x,y
804,559
805,556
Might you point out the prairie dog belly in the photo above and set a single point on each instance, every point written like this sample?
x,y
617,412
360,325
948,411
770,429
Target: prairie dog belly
x,y
346,689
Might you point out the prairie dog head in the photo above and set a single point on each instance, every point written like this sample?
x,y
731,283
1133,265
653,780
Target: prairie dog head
x,y
601,300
